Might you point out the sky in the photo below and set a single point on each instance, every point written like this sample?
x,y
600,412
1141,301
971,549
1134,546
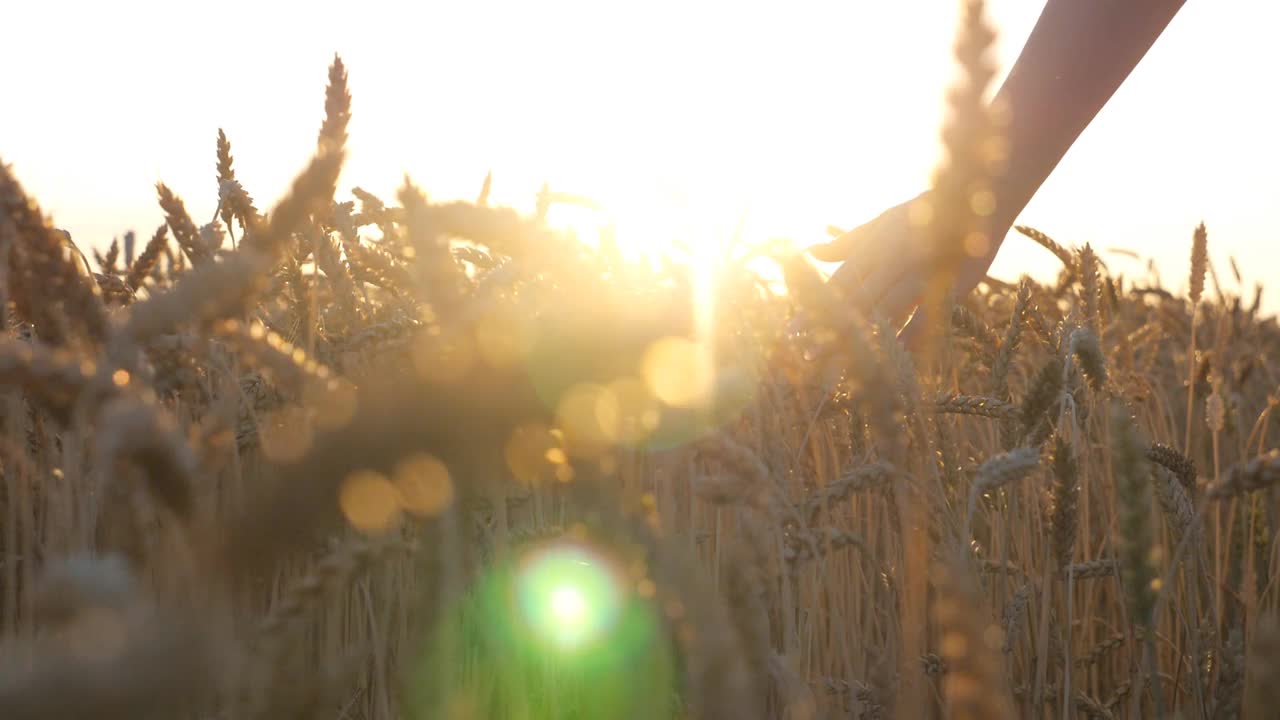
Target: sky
x,y
679,116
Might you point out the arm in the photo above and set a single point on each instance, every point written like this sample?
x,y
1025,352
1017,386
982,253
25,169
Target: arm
x,y
1076,57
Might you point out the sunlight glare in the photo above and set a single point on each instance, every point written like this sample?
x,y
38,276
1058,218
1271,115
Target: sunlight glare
x,y
570,595
680,372
567,605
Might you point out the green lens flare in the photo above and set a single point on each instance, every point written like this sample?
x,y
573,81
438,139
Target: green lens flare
x,y
567,596
564,628
567,605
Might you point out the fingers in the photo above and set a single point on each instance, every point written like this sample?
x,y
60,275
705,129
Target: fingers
x,y
844,246
897,300
893,225
887,292
851,285
868,244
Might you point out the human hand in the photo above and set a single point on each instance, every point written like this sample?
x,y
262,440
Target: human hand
x,y
888,262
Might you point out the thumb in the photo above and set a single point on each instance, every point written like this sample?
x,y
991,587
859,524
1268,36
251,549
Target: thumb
x,y
862,240
840,248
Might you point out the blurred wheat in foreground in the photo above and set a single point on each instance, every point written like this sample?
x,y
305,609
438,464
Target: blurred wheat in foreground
x,y
371,459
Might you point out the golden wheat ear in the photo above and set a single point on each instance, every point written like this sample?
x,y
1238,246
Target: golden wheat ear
x,y
50,284
184,228
143,434
337,109
145,264
228,286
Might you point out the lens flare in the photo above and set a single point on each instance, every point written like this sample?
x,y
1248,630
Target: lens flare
x,y
577,614
567,605
568,597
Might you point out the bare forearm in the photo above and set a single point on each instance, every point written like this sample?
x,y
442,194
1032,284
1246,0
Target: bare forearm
x,y
1077,56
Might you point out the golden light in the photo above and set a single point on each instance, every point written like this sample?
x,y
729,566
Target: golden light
x,y
503,337
564,473
680,372
983,203
440,360
640,220
424,484
589,416
532,452
369,501
639,412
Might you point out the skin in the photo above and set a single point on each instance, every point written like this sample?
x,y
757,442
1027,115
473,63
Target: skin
x,y
1076,57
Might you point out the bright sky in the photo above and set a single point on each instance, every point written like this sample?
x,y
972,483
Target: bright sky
x,y
811,113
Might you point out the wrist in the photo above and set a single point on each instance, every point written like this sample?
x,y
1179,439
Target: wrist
x,y
1013,190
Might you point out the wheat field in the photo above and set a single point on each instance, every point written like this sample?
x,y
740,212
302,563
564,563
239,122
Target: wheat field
x,y
355,458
